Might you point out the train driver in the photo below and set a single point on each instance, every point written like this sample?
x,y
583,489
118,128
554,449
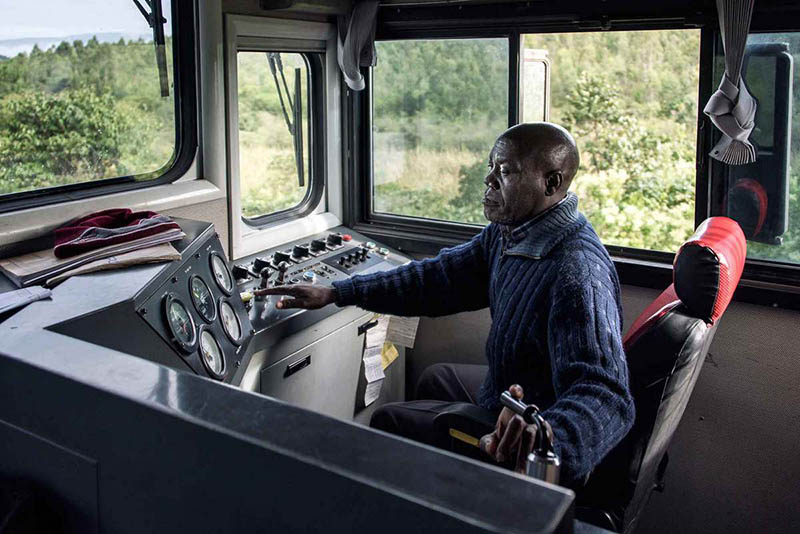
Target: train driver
x,y
554,299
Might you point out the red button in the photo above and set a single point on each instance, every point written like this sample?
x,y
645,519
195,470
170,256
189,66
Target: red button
x,y
347,237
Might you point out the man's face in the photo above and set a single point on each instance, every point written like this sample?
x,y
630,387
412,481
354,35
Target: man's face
x,y
515,186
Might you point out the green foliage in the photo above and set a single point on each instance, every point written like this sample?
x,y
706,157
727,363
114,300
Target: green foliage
x,y
83,111
50,139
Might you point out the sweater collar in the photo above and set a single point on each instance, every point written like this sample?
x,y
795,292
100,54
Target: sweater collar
x,y
536,238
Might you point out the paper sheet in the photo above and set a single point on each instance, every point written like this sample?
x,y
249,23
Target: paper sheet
x,y
388,354
402,331
22,297
154,254
372,392
373,359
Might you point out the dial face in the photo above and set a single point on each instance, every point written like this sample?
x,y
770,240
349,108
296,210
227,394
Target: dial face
x,y
180,322
221,273
203,299
230,322
211,354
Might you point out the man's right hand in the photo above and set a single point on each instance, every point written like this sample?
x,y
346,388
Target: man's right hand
x,y
304,296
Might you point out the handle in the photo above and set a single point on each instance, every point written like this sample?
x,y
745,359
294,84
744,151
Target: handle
x,y
292,368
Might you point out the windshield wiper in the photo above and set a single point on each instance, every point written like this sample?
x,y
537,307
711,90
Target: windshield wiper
x,y
156,21
295,124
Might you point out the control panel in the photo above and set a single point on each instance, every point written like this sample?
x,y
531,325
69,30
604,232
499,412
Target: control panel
x,y
199,313
319,259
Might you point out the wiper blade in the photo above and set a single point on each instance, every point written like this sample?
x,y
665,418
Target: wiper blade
x,y
156,21
295,124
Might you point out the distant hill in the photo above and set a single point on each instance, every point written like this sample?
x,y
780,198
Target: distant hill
x,y
12,47
2,57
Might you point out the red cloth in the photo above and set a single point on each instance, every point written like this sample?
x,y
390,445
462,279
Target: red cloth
x,y
109,227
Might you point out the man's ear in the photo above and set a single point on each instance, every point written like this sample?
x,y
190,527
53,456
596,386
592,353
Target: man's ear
x,y
552,182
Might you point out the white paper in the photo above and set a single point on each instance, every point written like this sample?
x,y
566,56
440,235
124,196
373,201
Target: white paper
x,y
376,336
372,392
373,368
402,331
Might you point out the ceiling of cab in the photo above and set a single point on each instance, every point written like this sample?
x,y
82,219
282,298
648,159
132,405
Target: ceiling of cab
x,y
337,7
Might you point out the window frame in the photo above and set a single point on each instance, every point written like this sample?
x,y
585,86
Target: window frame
x,y
184,30
290,35
762,271
316,138
406,232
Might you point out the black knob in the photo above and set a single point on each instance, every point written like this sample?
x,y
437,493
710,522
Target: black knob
x,y
318,245
279,257
264,279
300,251
259,264
363,253
282,268
334,239
240,272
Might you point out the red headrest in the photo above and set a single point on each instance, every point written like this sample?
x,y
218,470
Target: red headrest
x,y
705,273
708,266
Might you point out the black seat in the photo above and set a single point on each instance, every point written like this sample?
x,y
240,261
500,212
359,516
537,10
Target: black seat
x,y
665,349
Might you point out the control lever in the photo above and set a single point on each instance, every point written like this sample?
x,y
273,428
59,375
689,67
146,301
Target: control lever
x,y
282,268
542,462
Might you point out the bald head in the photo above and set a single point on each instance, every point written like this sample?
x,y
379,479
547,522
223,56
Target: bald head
x,y
531,167
548,146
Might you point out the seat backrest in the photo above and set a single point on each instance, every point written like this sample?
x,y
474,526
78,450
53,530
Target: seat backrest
x,y
665,349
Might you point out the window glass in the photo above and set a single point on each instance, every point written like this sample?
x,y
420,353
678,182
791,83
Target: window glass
x,y
764,197
82,97
273,100
630,100
438,106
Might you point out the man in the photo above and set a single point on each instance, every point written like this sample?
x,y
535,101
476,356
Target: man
x,y
553,294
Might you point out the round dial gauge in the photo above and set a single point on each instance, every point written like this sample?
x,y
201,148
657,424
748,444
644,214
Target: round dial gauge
x,y
230,322
180,323
202,298
221,273
211,354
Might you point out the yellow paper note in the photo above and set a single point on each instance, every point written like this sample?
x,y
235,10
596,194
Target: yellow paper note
x,y
388,354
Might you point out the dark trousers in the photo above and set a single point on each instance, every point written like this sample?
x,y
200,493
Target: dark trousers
x,y
439,388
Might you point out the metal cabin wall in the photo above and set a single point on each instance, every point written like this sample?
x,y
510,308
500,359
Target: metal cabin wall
x,y
733,464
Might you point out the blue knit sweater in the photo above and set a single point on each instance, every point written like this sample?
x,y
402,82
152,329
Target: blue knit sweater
x,y
554,299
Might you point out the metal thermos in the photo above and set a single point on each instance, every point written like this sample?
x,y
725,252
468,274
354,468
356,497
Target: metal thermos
x,y
543,463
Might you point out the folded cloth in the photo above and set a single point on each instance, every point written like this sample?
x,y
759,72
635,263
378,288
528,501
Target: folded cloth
x,y
108,227
12,300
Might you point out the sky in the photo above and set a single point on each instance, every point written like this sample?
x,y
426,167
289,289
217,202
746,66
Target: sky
x,y
48,20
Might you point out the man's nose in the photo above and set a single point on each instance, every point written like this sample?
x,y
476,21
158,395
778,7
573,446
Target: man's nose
x,y
490,181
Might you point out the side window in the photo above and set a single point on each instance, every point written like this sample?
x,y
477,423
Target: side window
x,y
274,138
764,196
87,93
630,100
438,106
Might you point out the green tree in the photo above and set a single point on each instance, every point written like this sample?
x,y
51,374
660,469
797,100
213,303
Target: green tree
x,y
47,139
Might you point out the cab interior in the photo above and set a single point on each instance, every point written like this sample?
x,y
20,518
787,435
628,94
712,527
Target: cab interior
x,y
168,397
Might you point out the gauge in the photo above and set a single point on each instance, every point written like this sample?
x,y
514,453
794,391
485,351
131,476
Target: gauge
x,y
221,273
202,298
180,323
211,354
230,321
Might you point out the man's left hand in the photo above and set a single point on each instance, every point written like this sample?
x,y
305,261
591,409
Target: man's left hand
x,y
513,439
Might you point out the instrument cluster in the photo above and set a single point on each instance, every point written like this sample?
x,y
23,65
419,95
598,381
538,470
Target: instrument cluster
x,y
202,315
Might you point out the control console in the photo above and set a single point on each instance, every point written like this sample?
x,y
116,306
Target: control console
x,y
318,259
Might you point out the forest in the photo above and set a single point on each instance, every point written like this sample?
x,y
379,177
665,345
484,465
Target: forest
x,y
82,111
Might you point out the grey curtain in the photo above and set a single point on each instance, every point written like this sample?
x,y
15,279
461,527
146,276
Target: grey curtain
x,y
356,46
731,108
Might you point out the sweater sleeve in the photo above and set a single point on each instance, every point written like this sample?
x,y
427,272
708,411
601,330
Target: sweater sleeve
x,y
594,409
455,280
